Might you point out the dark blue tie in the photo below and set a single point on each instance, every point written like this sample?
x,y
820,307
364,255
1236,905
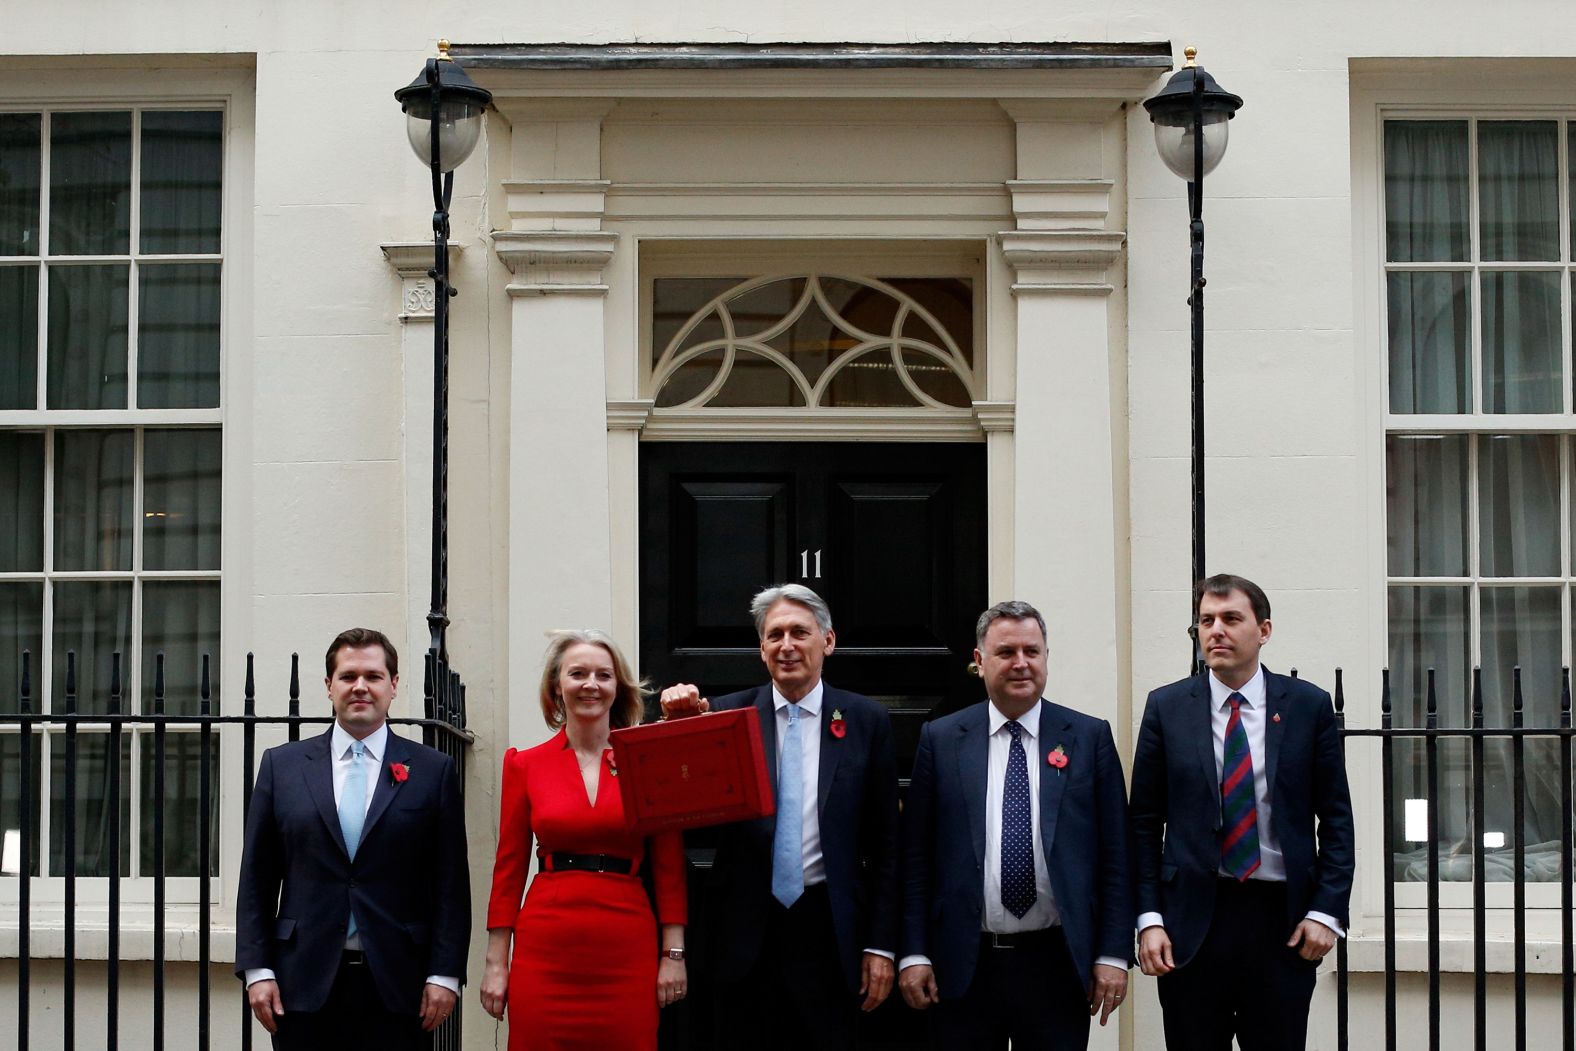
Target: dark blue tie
x,y
1017,831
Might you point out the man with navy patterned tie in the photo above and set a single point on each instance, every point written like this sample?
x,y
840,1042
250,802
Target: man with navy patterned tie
x,y
352,916
1242,825
1015,870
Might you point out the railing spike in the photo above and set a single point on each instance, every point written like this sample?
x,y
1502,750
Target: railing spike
x,y
1565,698
1515,692
1432,703
1384,698
1477,698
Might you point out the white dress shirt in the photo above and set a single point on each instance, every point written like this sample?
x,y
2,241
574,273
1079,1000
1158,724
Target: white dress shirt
x,y
1272,866
809,729
339,748
1042,914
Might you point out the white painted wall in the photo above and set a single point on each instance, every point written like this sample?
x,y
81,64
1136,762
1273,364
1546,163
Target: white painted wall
x,y
320,489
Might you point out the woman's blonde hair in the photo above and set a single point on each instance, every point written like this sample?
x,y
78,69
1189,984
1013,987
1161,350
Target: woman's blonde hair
x,y
629,702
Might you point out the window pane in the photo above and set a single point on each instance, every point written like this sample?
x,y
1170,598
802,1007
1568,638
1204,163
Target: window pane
x,y
181,620
674,300
182,157
11,802
1429,631
1427,513
93,473
950,300
90,184
92,620
182,773
91,804
18,337
181,504
1518,189
1430,332
935,378
1521,628
22,510
87,337
1521,341
1426,191
178,336
20,135
1519,504
868,380
21,628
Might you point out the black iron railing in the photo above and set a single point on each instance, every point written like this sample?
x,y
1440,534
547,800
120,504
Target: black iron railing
x,y
1476,737
442,727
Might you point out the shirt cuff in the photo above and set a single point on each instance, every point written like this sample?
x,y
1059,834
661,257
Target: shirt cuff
x,y
884,953
1147,920
1329,921
917,960
444,981
1112,961
258,974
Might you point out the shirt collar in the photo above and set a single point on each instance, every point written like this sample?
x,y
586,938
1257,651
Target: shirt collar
x,y
1029,720
809,704
375,741
1252,691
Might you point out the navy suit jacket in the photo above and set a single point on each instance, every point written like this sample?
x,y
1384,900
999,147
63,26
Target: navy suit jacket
x,y
409,884
1176,806
857,808
1083,833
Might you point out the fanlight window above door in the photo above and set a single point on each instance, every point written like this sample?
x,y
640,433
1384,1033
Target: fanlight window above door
x,y
813,341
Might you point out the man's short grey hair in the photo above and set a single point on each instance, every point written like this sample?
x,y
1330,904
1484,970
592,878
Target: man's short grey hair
x,y
769,597
1012,609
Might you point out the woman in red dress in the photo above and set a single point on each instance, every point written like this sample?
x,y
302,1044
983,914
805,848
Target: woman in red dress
x,y
586,971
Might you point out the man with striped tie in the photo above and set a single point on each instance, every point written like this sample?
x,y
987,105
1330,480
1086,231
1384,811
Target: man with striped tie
x,y
1242,823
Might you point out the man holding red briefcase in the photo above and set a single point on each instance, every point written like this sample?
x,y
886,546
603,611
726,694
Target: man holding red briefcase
x,y
806,899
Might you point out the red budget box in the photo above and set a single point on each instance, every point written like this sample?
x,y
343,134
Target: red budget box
x,y
689,773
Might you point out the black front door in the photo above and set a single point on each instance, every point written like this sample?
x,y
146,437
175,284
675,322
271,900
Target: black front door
x,y
891,534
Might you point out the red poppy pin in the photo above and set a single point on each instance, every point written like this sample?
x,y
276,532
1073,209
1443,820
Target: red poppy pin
x,y
838,727
612,765
1058,757
1275,718
399,772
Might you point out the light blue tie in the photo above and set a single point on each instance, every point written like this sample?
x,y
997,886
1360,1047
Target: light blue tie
x,y
353,809
788,842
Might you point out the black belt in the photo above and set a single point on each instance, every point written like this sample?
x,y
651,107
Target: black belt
x,y
1018,939
352,958
558,861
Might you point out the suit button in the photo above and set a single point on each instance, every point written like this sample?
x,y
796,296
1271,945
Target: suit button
x,y
352,884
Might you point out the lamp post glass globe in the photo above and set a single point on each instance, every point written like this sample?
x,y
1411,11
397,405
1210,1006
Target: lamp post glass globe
x,y
443,92
459,129
1190,104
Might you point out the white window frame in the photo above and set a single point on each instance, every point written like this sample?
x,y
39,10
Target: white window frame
x,y
1439,90
226,83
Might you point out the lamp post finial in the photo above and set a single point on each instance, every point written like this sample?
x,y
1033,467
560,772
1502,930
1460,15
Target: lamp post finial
x,y
443,51
1188,53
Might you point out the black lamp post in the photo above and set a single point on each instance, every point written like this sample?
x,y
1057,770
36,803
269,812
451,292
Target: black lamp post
x,y
1192,117
443,118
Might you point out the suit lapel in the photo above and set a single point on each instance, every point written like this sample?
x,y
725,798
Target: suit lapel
x,y
768,715
831,750
1053,732
1275,699
383,792
1202,730
320,785
973,745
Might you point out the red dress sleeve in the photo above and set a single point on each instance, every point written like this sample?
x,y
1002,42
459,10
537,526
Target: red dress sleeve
x,y
666,850
513,862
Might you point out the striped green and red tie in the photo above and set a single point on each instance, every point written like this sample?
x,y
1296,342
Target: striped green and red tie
x,y
1239,850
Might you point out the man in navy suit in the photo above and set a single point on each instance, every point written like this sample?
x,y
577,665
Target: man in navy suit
x,y
1016,894
1242,822
805,900
353,914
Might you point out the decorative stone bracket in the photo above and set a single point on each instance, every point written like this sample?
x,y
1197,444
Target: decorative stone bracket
x,y
1069,262
555,262
412,260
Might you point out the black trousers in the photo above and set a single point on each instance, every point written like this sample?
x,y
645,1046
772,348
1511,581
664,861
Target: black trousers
x,y
353,1016
1244,983
1029,994
794,996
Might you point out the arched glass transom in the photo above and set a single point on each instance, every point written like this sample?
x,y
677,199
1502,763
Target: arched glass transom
x,y
813,341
